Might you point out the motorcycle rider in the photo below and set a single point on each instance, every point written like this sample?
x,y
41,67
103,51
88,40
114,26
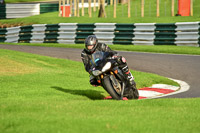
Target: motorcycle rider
x,y
92,45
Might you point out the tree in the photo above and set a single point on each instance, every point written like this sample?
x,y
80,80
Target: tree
x,y
102,11
123,1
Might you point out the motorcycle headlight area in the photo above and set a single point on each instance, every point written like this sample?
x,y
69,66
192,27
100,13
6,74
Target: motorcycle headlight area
x,y
96,72
106,67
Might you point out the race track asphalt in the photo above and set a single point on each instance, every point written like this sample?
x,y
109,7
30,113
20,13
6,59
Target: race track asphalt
x,y
181,67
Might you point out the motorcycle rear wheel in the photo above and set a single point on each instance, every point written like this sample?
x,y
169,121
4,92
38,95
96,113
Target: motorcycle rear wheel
x,y
134,94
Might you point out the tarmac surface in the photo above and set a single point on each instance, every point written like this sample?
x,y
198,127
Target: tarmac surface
x,y
181,67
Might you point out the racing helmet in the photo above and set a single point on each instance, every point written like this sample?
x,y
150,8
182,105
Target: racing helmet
x,y
91,40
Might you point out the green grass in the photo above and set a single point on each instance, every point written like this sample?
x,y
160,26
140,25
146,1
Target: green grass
x,y
168,49
150,15
160,49
43,94
61,114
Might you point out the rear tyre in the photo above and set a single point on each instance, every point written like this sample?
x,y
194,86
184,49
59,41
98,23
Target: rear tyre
x,y
134,94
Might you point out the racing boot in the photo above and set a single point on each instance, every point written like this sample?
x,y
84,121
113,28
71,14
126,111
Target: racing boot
x,y
128,75
130,92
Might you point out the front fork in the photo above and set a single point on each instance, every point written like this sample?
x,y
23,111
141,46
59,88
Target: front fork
x,y
120,75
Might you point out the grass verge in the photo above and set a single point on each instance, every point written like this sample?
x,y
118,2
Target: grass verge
x,y
168,49
52,97
52,18
122,15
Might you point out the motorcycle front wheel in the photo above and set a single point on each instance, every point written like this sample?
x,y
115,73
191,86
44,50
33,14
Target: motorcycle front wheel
x,y
107,84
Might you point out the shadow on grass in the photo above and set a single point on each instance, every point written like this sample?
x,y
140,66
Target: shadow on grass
x,y
91,94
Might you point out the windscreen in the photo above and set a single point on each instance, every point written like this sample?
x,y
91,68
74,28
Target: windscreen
x,y
98,57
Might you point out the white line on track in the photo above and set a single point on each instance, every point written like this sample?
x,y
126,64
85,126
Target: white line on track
x,y
183,88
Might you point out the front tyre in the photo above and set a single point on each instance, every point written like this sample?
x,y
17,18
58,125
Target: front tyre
x,y
109,88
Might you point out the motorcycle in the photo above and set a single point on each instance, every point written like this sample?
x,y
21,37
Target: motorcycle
x,y
110,77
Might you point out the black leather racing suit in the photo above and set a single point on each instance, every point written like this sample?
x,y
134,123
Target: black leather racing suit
x,y
86,57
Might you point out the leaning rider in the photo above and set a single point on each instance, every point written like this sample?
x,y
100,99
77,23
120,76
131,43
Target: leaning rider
x,y
92,45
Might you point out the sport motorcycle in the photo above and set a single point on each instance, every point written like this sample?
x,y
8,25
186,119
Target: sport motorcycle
x,y
110,77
